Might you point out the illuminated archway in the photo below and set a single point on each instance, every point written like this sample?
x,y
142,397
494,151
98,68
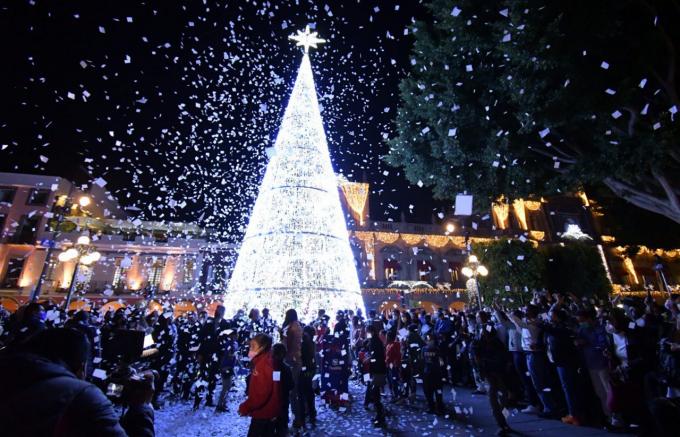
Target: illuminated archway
x,y
184,307
78,305
9,304
114,305
457,306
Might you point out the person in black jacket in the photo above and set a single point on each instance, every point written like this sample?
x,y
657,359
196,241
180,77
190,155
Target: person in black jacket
x,y
27,323
46,395
284,376
164,336
306,389
188,341
433,375
209,354
490,356
377,371
560,342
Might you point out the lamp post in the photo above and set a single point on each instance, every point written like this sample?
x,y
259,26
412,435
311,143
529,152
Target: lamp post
x,y
83,253
60,211
474,269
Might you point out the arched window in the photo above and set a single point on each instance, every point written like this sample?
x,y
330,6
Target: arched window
x,y
156,271
391,265
425,270
392,269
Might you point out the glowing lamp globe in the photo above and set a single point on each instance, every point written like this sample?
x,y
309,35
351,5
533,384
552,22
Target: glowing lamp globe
x,y
473,259
482,270
63,257
71,253
467,271
96,256
83,240
450,227
84,201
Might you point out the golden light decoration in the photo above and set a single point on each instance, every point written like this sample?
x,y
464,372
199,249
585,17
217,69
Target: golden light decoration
x,y
363,235
520,213
644,250
630,268
387,237
412,239
584,198
356,194
368,238
374,291
501,212
437,240
537,235
608,238
532,205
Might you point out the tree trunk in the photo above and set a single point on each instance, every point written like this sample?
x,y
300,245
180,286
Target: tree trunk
x,y
649,202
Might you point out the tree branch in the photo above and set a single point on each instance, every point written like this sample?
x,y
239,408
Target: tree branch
x,y
667,188
552,156
632,121
641,199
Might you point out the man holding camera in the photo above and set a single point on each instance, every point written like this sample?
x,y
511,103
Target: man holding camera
x,y
209,353
44,393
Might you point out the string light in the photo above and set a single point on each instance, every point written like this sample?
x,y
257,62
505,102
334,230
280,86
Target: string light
x,y
296,251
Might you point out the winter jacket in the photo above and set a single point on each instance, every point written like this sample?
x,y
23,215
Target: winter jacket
x,y
292,335
228,359
489,353
559,340
307,354
138,421
211,342
264,398
595,344
393,355
431,365
285,384
443,326
376,357
43,398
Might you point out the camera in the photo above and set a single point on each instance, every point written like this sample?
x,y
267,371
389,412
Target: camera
x,y
124,352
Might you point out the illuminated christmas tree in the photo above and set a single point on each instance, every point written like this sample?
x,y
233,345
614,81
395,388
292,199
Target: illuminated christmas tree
x,y
296,252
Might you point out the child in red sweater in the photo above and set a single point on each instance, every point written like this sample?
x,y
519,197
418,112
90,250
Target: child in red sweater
x,y
263,404
393,363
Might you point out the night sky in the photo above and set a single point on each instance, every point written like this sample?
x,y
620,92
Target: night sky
x,y
173,103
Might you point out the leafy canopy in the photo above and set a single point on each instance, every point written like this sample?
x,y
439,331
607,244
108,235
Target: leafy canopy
x,y
526,98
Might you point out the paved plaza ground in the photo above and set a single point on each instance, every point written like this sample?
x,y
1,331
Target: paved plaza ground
x,y
474,419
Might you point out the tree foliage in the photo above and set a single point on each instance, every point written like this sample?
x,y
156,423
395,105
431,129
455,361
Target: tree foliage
x,y
522,98
576,268
516,269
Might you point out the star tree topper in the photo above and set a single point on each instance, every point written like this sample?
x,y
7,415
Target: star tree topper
x,y
307,39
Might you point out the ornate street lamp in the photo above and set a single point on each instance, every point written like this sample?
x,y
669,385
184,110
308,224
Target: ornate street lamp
x,y
83,253
59,211
473,269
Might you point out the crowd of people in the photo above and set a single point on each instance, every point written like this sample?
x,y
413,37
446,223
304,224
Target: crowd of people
x,y
612,364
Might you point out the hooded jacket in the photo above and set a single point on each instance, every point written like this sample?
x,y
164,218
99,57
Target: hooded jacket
x,y
264,398
43,398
